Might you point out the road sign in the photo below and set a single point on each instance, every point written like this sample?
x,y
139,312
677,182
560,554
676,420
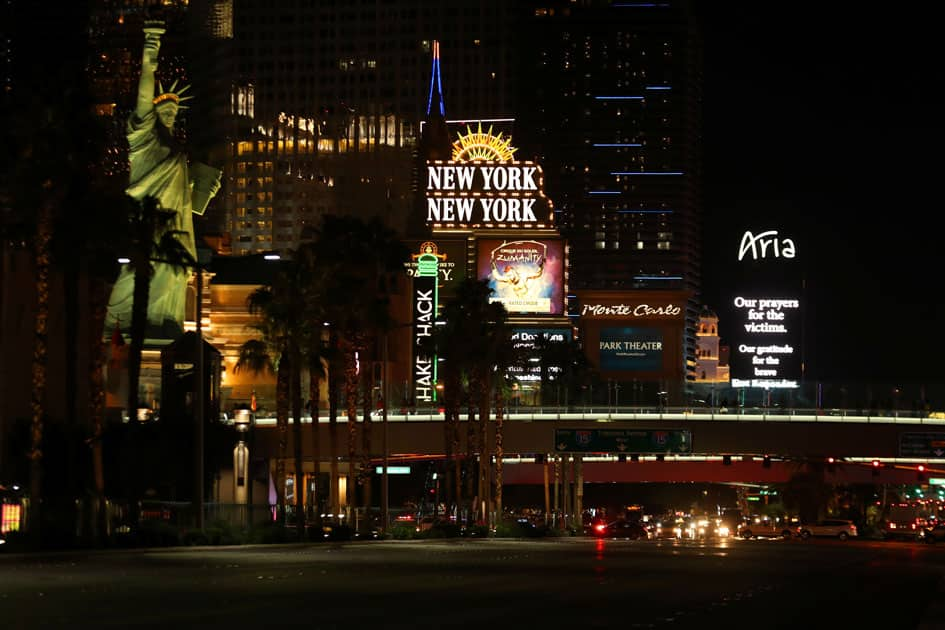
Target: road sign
x,y
636,441
922,444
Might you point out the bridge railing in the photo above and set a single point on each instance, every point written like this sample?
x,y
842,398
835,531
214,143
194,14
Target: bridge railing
x,y
675,414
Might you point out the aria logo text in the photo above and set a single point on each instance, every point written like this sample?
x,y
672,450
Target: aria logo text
x,y
765,245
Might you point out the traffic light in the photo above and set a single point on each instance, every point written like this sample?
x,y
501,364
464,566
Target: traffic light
x,y
876,467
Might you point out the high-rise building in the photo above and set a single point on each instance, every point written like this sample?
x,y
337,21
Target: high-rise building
x,y
613,112
329,96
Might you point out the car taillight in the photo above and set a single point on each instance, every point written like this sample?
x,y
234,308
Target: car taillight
x,y
599,527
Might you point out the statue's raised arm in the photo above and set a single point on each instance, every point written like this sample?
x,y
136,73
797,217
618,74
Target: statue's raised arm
x,y
153,29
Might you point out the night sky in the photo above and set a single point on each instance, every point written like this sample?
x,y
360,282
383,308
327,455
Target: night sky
x,y
829,124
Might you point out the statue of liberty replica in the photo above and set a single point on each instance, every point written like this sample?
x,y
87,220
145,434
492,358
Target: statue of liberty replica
x,y
160,169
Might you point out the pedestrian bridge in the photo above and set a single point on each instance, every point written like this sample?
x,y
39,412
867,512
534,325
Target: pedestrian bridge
x,y
759,445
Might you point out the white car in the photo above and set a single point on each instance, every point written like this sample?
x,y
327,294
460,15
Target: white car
x,y
831,527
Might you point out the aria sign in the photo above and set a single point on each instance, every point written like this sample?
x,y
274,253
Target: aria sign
x,y
765,245
489,190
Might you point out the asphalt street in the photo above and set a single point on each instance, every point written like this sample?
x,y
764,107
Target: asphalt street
x,y
551,583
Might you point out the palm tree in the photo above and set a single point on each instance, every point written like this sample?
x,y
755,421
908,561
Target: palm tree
x,y
359,259
43,175
268,353
472,339
151,241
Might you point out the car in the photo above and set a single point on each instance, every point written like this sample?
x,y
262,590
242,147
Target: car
x,y
761,527
630,530
903,530
933,532
831,527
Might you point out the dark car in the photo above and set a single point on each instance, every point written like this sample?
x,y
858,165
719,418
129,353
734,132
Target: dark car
x,y
932,532
629,530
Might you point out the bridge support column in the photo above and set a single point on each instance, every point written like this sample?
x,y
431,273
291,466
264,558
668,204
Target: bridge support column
x,y
579,492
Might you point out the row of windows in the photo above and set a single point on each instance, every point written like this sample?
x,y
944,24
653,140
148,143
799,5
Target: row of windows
x,y
664,245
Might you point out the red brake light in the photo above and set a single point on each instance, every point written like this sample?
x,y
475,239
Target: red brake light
x,y
600,527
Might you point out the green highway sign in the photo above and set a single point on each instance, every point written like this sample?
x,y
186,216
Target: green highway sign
x,y
924,444
636,441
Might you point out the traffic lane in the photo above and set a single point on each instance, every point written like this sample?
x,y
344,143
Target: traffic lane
x,y
594,583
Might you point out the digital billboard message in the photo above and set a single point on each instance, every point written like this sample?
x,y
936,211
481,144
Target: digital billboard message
x,y
767,350
526,276
631,349
766,308
531,341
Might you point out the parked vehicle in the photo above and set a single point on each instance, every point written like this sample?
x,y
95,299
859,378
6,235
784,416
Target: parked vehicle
x,y
831,527
763,527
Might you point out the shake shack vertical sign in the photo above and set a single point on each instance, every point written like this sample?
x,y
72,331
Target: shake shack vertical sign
x,y
425,281
486,194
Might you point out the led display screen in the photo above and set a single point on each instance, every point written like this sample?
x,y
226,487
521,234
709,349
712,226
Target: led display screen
x,y
526,276
631,349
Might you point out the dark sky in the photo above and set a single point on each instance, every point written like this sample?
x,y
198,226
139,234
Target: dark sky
x,y
829,123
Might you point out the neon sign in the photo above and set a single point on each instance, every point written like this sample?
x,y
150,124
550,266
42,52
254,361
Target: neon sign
x,y
765,244
425,303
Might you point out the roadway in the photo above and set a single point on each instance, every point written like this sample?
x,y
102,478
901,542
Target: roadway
x,y
498,583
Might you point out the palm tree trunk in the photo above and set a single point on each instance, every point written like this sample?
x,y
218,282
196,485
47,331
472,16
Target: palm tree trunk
x,y
313,396
364,479
40,354
97,312
471,448
485,463
334,368
139,323
351,402
499,450
282,426
295,388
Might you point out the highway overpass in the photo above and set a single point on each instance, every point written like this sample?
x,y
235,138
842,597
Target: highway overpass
x,y
757,445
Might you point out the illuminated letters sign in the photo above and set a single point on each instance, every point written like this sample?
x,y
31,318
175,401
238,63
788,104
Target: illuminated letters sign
x,y
631,349
424,319
631,310
766,335
451,266
530,341
483,187
764,245
766,347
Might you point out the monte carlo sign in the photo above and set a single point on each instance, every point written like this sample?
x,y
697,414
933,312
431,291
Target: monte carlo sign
x,y
482,187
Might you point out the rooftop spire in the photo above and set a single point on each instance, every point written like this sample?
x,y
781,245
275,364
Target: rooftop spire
x,y
435,81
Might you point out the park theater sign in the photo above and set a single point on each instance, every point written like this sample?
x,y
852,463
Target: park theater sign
x,y
482,187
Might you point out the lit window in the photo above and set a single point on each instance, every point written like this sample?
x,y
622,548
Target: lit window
x,y
639,244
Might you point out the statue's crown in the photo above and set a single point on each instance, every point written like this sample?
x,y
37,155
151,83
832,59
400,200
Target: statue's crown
x,y
173,95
